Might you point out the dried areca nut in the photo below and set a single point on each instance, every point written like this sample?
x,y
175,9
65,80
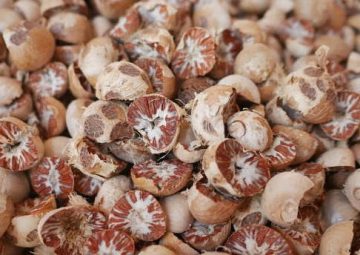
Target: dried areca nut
x,y
158,13
20,108
305,144
122,81
316,173
253,239
305,233
9,17
281,153
177,213
52,176
208,206
188,149
127,24
29,9
21,147
112,9
249,213
276,115
74,113
51,7
203,16
106,121
246,89
279,202
337,239
101,25
195,54
316,12
250,30
251,130
111,191
67,229
14,185
255,62
23,228
309,95
325,142
156,249
52,80
205,236
110,240
356,151
86,185
84,155
353,62
79,86
258,109
172,242
233,170
347,118
10,90
338,74
352,189
269,88
4,67
273,19
55,146
157,119
7,212
336,208
51,113
70,27
67,54
161,178
338,49
140,214
95,56
210,111
151,42
161,76
132,150
337,157
30,45
190,87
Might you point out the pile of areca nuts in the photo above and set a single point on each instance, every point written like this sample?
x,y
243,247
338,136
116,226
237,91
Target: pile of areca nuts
x,y
179,127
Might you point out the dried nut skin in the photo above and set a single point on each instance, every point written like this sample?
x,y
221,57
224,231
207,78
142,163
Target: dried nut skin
x,y
30,45
305,144
210,110
280,203
20,145
251,130
122,81
233,170
55,146
15,185
132,150
352,189
255,62
11,89
337,239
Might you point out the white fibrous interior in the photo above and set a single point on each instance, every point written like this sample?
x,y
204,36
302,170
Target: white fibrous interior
x,y
109,248
301,232
121,25
153,16
151,126
203,229
250,246
139,219
164,170
246,171
194,58
143,49
51,82
52,178
275,153
46,114
297,30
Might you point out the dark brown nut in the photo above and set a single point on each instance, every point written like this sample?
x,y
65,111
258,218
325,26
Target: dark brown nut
x,y
151,42
51,113
192,86
112,9
52,80
233,170
251,130
9,17
67,54
29,9
86,156
30,45
95,56
122,81
305,144
255,62
70,27
132,150
51,7
74,113
105,122
20,108
161,76
79,86
203,16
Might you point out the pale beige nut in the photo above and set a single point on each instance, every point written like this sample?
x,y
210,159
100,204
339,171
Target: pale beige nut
x,y
318,12
29,9
9,17
122,81
14,185
10,90
74,113
352,189
112,9
171,241
338,48
101,25
55,146
67,54
337,157
156,249
251,31
7,211
353,62
51,7
337,239
79,86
